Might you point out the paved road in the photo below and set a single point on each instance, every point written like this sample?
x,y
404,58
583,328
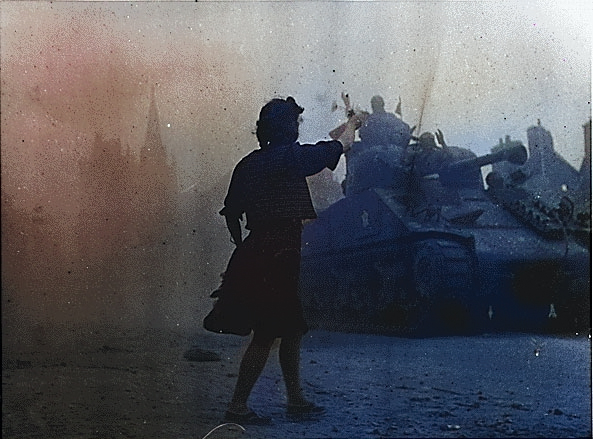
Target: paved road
x,y
89,382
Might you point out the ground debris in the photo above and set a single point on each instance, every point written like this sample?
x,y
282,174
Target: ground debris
x,y
450,427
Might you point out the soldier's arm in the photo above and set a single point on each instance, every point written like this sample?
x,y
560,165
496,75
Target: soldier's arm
x,y
441,138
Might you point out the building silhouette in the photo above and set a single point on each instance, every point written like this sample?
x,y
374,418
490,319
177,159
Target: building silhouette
x,y
126,198
547,174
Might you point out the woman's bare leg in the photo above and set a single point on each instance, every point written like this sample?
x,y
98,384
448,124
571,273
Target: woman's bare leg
x,y
290,356
252,365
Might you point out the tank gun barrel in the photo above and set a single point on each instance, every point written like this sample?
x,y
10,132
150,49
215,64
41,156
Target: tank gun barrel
x,y
516,154
460,172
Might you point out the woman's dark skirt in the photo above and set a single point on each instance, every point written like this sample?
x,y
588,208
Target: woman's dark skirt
x,y
262,279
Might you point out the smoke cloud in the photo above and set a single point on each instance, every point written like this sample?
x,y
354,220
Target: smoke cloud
x,y
79,79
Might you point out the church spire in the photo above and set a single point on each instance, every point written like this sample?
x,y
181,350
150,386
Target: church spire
x,y
155,183
153,151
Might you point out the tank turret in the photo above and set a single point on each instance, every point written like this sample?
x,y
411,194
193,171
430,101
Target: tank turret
x,y
395,167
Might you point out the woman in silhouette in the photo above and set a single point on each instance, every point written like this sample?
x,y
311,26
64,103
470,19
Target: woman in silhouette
x,y
269,187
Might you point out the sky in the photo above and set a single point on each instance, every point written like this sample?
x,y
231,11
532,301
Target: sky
x,y
477,70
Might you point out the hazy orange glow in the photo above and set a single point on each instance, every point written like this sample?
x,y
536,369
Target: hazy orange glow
x,y
78,77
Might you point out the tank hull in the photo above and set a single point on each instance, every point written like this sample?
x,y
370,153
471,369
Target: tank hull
x,y
372,264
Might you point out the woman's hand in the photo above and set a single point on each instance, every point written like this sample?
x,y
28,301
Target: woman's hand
x,y
234,227
358,119
345,133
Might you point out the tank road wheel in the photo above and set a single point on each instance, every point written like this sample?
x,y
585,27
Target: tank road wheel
x,y
444,278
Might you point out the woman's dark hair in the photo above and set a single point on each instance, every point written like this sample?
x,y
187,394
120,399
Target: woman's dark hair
x,y
278,122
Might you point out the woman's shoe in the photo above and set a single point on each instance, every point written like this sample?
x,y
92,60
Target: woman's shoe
x,y
249,418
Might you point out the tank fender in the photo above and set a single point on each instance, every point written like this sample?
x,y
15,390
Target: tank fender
x,y
465,240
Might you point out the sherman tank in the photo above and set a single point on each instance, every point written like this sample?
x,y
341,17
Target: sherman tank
x,y
420,245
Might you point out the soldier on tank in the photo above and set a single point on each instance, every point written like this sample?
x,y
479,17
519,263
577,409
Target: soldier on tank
x,y
376,160
384,128
425,155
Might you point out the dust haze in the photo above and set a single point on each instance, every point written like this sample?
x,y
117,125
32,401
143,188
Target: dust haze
x,y
121,123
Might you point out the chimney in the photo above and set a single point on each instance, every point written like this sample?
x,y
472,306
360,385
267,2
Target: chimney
x,y
541,148
586,165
